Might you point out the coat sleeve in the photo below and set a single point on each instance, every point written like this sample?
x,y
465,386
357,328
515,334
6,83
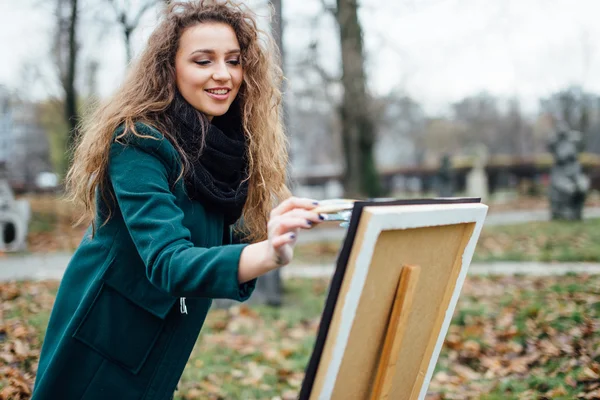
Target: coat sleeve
x,y
139,173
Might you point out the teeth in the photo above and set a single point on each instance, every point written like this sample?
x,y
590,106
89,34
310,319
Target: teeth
x,y
223,91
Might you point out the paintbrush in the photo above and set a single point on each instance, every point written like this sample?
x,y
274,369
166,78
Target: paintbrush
x,y
335,209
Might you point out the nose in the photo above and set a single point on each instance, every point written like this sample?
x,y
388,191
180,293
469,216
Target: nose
x,y
221,72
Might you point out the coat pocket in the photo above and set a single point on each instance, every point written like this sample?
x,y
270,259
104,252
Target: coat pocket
x,y
125,319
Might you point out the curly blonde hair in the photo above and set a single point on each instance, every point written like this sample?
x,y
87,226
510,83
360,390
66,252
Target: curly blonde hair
x,y
150,88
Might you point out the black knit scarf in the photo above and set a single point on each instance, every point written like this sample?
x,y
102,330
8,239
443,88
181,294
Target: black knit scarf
x,y
217,153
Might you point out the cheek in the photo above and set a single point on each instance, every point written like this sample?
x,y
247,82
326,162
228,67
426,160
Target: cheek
x,y
188,76
180,77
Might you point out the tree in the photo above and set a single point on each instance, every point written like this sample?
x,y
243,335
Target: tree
x,y
129,18
268,288
66,51
358,129
572,107
401,129
516,131
480,116
50,118
314,108
442,136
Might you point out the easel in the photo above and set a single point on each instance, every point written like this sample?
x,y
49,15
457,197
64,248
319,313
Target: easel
x,y
393,338
391,298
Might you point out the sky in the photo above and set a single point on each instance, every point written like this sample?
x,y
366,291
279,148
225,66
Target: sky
x,y
437,51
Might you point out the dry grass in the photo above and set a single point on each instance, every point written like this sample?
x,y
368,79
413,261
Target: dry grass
x,y
51,226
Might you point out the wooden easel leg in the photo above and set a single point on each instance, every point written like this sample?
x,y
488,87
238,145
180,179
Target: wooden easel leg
x,y
393,338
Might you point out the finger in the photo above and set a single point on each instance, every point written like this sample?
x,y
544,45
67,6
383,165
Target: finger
x,y
287,224
282,240
294,202
295,238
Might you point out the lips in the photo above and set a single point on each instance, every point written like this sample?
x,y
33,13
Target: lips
x,y
218,93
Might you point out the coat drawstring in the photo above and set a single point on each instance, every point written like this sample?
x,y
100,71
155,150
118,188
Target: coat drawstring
x,y
182,306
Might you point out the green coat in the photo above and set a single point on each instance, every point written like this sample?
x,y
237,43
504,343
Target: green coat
x,y
117,330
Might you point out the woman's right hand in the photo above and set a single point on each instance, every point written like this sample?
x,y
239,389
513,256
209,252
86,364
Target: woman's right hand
x,y
284,224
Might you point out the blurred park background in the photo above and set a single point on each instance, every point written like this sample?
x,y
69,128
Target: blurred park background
x,y
402,99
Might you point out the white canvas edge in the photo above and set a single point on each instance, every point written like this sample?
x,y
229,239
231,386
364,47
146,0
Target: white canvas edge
x,y
406,217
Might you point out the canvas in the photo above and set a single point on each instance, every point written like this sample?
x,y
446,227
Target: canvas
x,y
402,261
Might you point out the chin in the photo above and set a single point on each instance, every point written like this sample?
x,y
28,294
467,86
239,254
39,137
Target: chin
x,y
216,113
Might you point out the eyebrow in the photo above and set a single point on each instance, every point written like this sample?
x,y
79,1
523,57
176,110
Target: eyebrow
x,y
210,51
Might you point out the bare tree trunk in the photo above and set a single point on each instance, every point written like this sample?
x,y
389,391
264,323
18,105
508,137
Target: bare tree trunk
x,y
269,287
358,129
67,53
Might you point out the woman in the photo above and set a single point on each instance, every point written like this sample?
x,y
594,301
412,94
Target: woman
x,y
189,145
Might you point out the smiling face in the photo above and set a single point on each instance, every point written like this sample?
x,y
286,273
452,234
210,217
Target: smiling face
x,y
208,67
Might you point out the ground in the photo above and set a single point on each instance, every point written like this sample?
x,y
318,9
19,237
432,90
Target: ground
x,y
512,337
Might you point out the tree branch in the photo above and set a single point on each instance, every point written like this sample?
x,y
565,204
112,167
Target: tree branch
x,y
312,63
147,6
330,9
120,14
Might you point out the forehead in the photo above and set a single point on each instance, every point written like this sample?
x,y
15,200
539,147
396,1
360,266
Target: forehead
x,y
208,35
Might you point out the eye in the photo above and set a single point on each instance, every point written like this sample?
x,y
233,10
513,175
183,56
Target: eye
x,y
202,62
234,62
